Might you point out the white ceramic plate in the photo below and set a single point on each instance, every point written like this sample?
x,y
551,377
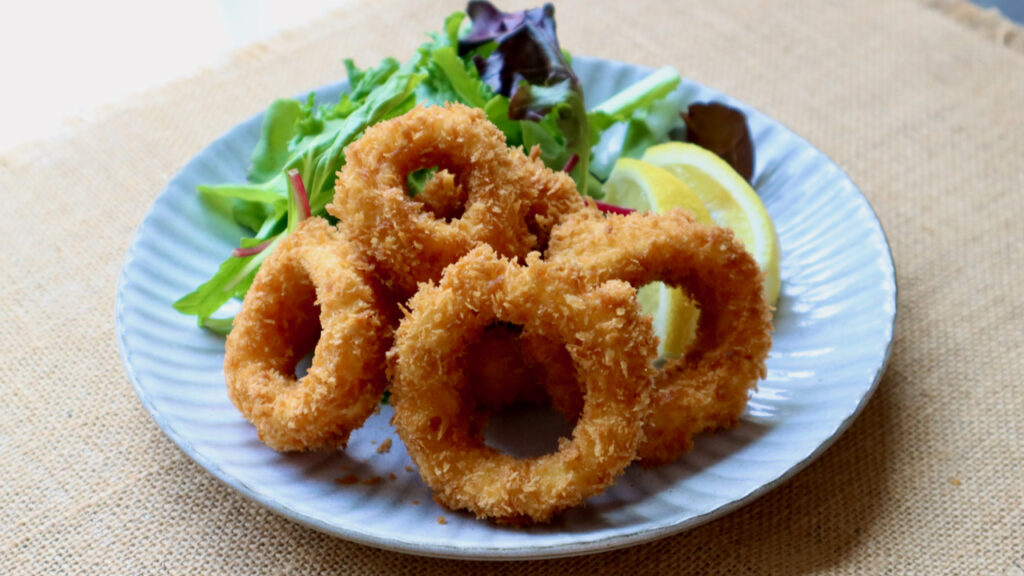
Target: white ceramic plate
x,y
833,331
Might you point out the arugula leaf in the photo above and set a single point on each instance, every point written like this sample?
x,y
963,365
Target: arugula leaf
x,y
453,77
272,150
546,135
247,204
233,277
246,192
437,88
221,326
508,64
469,89
496,110
368,81
316,156
319,163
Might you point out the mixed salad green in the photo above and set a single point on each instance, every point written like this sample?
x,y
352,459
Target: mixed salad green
x,y
508,64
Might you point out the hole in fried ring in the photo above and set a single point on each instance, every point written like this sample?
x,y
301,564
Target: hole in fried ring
x,y
442,196
708,387
510,404
611,344
510,198
526,430
314,267
500,374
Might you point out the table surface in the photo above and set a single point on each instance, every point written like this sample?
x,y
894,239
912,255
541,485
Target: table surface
x,y
919,101
103,72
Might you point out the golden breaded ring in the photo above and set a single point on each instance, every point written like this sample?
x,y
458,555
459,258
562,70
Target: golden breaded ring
x,y
553,371
442,196
557,196
408,244
708,387
313,272
500,373
610,342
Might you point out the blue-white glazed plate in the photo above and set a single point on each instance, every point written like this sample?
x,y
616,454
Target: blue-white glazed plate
x,y
833,332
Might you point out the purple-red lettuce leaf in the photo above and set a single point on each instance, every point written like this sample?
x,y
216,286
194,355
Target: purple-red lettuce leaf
x,y
527,65
723,130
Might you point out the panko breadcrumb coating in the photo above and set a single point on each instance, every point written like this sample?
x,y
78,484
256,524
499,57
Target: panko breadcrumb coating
x,y
708,387
610,342
510,198
499,373
489,322
311,291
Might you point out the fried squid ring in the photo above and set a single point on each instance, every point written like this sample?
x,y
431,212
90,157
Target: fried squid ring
x,y
509,198
501,374
442,196
557,196
611,344
314,267
708,387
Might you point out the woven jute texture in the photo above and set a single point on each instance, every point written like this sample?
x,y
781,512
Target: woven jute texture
x,y
924,114
987,21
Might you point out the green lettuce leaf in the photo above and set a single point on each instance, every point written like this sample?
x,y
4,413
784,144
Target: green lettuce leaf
x,y
234,277
508,64
316,142
280,125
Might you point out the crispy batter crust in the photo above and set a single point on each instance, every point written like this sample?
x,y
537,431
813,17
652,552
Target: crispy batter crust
x,y
611,344
708,387
500,374
442,196
510,198
312,268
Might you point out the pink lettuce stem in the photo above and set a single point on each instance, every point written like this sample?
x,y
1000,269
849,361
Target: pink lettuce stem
x,y
301,198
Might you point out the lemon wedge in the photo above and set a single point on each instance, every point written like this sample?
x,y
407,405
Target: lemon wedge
x,y
646,188
729,199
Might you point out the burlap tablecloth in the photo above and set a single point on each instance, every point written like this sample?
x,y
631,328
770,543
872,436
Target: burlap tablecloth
x,y
923,112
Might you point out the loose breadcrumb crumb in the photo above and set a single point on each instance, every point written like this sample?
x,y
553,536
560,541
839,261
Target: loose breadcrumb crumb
x,y
442,520
392,476
415,502
350,479
384,447
372,481
408,468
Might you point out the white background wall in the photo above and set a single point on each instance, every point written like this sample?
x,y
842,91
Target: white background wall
x,y
62,59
